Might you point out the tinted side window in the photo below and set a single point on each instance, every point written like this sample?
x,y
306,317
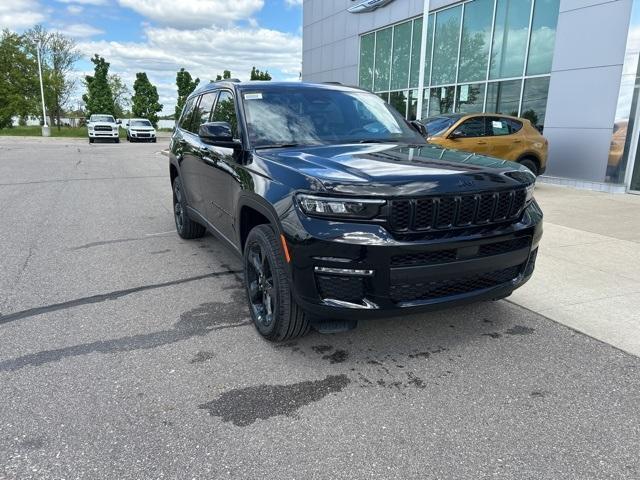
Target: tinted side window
x,y
474,127
514,125
185,120
203,111
497,126
225,111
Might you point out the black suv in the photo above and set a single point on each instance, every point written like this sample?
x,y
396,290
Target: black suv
x,y
341,210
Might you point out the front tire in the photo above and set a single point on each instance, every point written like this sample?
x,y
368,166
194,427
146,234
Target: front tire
x,y
91,140
273,310
531,164
118,140
186,228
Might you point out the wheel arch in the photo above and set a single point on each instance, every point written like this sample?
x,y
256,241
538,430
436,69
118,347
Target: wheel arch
x,y
253,211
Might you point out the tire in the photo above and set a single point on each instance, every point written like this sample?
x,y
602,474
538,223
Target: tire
x,y
186,228
91,140
531,164
154,140
273,310
128,138
118,140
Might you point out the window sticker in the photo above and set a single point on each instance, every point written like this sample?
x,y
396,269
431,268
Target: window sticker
x,y
497,124
464,93
253,96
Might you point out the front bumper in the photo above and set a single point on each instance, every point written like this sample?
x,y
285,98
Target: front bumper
x,y
142,135
352,271
103,133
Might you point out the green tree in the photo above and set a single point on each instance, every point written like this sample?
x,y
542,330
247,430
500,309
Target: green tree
x,y
121,94
19,95
258,75
99,98
225,75
58,54
144,103
186,85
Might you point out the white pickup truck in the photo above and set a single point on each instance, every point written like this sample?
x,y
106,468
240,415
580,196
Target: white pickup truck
x,y
103,126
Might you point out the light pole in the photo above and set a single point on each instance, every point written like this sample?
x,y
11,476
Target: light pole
x,y
45,128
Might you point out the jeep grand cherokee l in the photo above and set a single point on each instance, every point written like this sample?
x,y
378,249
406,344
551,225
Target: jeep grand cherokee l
x,y
340,209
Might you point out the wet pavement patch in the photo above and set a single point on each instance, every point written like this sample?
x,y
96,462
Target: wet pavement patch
x,y
520,330
202,357
321,348
243,406
338,356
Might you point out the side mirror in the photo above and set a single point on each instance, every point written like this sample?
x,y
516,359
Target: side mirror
x,y
419,127
455,134
119,122
217,133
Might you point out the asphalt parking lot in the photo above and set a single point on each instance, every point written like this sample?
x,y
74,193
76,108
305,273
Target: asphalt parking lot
x,y
126,352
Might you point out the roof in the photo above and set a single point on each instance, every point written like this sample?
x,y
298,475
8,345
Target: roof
x,y
266,85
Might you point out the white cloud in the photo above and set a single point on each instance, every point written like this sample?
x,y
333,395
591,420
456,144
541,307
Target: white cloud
x,y
81,30
86,2
194,13
294,3
18,15
75,9
204,52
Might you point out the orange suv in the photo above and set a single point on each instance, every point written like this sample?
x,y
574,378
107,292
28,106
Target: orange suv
x,y
490,134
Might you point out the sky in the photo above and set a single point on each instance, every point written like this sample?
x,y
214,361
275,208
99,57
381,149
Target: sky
x,y
161,36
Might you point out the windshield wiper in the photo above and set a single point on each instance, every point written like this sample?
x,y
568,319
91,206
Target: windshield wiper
x,y
280,145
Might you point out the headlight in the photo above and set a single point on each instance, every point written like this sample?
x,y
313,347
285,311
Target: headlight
x,y
530,190
90,127
339,207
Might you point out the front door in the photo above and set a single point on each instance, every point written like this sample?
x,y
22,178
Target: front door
x,y
220,181
470,136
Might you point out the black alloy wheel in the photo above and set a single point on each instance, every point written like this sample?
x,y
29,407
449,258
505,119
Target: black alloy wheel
x,y
273,310
185,227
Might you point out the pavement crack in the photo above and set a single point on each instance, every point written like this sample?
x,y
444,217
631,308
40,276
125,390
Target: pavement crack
x,y
103,297
198,322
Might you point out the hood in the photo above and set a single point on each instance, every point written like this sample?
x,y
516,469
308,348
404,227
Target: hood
x,y
102,124
141,129
397,170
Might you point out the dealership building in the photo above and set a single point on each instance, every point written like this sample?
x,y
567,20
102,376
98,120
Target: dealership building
x,y
569,66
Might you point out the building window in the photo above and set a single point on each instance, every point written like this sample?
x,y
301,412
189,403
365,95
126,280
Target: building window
x,y
416,42
367,50
510,38
534,100
382,65
543,36
504,97
441,100
470,98
475,59
445,47
476,39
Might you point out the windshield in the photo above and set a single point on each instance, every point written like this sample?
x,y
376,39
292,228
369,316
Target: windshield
x,y
322,116
436,126
102,118
140,123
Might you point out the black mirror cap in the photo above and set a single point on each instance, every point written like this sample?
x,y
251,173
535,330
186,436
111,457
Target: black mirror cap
x,y
419,127
218,133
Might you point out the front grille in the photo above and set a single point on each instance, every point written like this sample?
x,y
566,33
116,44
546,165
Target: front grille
x,y
442,213
102,128
445,288
451,255
347,289
143,135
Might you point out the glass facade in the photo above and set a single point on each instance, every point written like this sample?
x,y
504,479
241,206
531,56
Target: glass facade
x,y
481,55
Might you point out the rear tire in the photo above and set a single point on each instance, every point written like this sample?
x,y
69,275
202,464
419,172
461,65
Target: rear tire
x,y
531,164
186,228
273,310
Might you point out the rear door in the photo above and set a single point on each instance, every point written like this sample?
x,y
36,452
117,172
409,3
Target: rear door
x,y
501,139
186,151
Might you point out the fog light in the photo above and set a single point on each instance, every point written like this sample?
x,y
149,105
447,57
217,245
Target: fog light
x,y
344,271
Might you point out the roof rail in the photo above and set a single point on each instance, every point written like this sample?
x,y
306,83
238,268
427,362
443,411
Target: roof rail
x,y
233,80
